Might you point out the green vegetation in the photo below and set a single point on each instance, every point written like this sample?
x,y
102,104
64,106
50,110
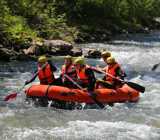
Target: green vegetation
x,y
21,21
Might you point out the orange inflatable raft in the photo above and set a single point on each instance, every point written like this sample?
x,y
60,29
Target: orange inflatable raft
x,y
123,94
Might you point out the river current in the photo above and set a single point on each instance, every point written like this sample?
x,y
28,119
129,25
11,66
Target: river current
x,y
141,121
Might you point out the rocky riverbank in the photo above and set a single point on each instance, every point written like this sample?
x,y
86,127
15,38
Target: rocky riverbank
x,y
47,47
29,29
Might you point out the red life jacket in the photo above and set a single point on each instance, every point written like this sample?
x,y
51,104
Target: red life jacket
x,y
82,75
111,70
66,70
45,75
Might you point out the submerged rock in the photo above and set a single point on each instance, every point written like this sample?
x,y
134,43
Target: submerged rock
x,y
76,52
93,53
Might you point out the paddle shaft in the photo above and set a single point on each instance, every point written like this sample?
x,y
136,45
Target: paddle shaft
x,y
109,75
90,95
14,95
155,66
131,84
69,78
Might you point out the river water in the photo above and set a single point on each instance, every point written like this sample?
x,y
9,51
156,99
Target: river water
x,y
141,121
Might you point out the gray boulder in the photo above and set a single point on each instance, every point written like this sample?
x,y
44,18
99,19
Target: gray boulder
x,y
93,53
58,47
76,52
6,54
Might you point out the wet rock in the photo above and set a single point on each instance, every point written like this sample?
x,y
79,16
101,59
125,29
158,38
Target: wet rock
x,y
50,47
93,53
1,46
30,50
6,54
76,52
58,47
36,50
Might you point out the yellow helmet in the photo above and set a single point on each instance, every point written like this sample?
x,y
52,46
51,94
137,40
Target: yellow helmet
x,y
68,57
42,59
105,54
111,60
79,60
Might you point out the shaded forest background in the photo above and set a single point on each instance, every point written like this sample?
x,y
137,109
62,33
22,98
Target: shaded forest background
x,y
22,21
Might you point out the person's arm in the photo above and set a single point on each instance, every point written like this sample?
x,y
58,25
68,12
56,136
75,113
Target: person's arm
x,y
91,78
32,79
120,73
97,69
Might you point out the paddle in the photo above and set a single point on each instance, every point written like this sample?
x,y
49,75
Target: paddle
x,y
155,67
131,84
14,94
90,94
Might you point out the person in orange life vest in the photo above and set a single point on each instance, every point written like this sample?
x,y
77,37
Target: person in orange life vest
x,y
44,72
104,56
115,70
69,69
86,77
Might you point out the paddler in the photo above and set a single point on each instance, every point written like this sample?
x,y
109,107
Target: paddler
x,y
68,69
86,77
45,72
114,69
105,55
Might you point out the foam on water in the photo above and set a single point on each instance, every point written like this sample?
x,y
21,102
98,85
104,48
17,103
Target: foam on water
x,y
4,112
86,130
122,122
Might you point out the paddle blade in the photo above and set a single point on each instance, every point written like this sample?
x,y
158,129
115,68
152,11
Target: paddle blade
x,y
136,86
93,96
155,67
10,96
99,103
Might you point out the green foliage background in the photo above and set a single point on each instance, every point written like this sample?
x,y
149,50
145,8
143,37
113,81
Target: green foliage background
x,y
21,21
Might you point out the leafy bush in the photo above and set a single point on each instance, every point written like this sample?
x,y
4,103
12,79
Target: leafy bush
x,y
21,21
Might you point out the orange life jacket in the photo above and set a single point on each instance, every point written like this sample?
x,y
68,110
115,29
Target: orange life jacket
x,y
66,70
82,75
45,75
111,70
